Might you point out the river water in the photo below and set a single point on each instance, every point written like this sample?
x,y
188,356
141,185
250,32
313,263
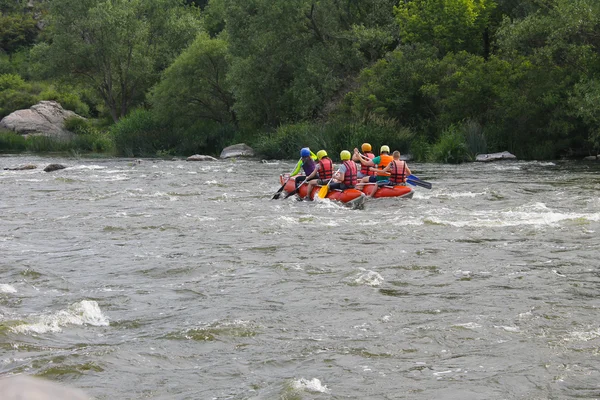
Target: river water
x,y
184,280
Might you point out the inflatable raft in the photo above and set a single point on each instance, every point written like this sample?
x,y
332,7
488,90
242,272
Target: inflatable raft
x,y
387,191
352,197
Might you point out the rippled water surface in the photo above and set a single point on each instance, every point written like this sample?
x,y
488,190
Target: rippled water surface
x,y
183,280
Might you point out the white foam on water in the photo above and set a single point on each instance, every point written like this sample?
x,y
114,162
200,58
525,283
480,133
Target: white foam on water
x,y
500,167
313,385
30,180
6,288
88,167
285,220
213,182
512,329
468,325
86,312
537,214
367,277
456,195
582,336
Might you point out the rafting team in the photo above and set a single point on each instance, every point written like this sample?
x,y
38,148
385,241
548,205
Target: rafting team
x,y
356,170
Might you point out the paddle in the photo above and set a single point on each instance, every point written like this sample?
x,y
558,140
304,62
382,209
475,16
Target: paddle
x,y
325,189
293,192
413,180
278,193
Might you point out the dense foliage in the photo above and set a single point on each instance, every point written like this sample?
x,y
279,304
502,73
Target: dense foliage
x,y
441,79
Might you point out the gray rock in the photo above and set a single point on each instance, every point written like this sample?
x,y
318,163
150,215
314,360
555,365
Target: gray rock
x,y
237,150
46,118
21,167
505,155
54,167
22,387
592,158
199,157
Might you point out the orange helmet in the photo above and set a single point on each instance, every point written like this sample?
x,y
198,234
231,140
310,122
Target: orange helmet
x,y
365,147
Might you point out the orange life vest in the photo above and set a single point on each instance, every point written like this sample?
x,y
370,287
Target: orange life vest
x,y
350,178
326,168
385,159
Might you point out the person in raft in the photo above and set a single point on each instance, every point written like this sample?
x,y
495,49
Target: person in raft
x,y
397,169
381,161
306,163
345,177
321,175
362,159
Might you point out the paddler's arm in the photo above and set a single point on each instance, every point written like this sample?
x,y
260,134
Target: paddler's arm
x,y
382,172
297,169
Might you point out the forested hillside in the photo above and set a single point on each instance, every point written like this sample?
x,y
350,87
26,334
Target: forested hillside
x,y
440,79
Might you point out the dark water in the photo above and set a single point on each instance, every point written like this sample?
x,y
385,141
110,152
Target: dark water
x,y
180,280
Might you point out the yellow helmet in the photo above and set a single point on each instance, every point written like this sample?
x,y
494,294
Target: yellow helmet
x,y
365,147
345,155
385,148
321,154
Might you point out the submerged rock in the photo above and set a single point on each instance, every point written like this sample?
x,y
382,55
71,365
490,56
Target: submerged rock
x,y
199,157
21,168
237,150
505,155
54,167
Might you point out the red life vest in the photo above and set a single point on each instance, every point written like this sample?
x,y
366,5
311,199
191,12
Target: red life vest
x,y
350,174
397,172
364,169
326,168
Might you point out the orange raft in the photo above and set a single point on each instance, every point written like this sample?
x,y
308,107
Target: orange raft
x,y
387,191
351,197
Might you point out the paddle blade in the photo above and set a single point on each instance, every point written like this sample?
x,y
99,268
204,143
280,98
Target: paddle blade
x,y
323,191
424,184
293,192
278,193
413,180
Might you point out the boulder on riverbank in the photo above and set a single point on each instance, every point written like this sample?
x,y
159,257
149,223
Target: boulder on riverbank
x,y
199,157
592,158
47,118
237,150
505,155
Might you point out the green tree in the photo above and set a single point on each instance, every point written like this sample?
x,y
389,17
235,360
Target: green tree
x,y
16,31
15,94
290,59
194,87
449,25
117,47
561,44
